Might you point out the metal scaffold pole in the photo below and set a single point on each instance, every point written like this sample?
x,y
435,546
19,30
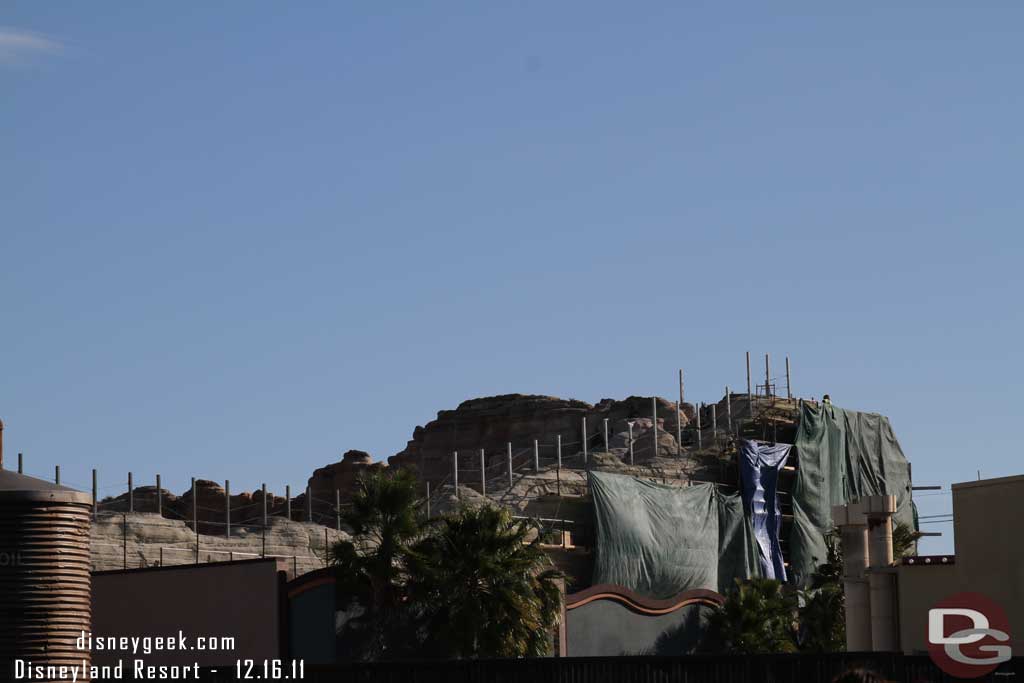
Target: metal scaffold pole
x,y
630,423
227,508
700,437
654,423
483,473
750,395
728,409
195,516
509,451
584,430
789,387
679,430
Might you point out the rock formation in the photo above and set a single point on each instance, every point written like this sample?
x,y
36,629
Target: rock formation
x,y
491,423
338,477
142,539
246,507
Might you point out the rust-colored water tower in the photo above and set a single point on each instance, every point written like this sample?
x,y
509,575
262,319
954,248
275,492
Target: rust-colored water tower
x,y
45,596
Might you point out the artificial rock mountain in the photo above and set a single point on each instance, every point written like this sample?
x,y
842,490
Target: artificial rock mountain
x,y
481,423
520,419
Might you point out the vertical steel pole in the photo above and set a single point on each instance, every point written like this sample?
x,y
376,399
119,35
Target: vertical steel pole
x,y
714,421
584,427
536,456
337,506
789,387
56,475
21,464
606,449
263,551
483,473
700,439
95,490
654,422
682,401
288,501
428,502
750,396
728,409
309,505
131,494
767,377
227,508
195,516
558,470
679,430
509,446
679,419
159,498
124,541
630,423
455,472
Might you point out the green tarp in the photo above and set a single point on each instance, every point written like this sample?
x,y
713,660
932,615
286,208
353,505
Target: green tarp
x,y
660,540
842,455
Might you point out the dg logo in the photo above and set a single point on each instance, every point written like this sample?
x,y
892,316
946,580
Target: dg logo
x,y
968,635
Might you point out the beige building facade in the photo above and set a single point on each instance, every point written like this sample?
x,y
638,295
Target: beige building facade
x,y
989,559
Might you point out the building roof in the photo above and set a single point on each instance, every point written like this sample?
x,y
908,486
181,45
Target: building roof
x,y
996,481
14,486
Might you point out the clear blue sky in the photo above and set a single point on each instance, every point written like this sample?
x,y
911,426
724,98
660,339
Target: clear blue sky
x,y
239,240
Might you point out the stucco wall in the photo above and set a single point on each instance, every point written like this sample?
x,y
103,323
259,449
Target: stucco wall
x,y
608,628
989,560
236,599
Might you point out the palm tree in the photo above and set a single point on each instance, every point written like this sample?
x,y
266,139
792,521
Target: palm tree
x,y
480,589
370,569
823,608
823,620
823,612
758,616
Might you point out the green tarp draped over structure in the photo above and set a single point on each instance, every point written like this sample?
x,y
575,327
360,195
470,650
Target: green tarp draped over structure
x,y
842,455
660,540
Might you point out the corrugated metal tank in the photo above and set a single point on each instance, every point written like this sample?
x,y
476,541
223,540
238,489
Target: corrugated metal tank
x,y
45,596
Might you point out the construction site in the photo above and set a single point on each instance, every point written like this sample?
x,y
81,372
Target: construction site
x,y
652,509
531,454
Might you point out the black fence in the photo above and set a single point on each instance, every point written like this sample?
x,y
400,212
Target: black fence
x,y
800,668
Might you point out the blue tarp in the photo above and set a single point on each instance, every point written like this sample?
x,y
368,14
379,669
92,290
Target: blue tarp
x,y
760,463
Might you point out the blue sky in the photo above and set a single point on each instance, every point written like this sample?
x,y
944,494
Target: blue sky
x,y
241,239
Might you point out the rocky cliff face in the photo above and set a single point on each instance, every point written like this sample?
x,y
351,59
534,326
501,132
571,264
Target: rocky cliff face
x,y
488,423
491,423
339,477
210,503
145,540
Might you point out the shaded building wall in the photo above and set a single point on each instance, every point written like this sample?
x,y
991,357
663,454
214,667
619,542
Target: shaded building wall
x,y
225,599
921,587
606,620
312,606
